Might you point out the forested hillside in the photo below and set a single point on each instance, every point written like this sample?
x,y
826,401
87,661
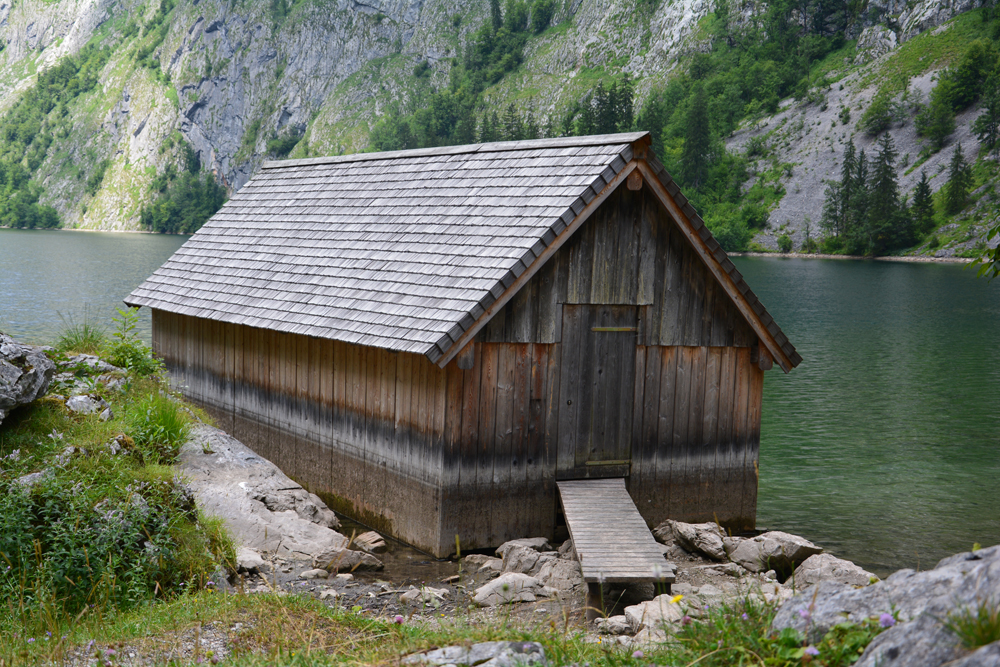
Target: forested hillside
x,y
809,124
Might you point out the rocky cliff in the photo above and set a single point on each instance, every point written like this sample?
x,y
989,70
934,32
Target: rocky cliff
x,y
227,77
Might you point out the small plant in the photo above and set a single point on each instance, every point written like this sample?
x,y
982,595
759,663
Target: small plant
x,y
127,350
158,427
82,337
976,626
935,242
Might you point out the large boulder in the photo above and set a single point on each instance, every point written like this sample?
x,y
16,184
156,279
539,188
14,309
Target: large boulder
x,y
533,543
920,600
702,538
25,374
773,550
827,567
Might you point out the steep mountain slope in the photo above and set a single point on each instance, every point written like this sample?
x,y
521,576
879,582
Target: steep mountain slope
x,y
238,81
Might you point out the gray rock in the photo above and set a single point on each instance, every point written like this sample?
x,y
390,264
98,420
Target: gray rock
x,y
25,374
985,656
371,542
230,481
772,550
703,538
346,560
25,482
424,594
93,363
86,404
318,573
329,593
919,599
481,562
613,625
567,550
248,560
106,415
535,543
553,571
510,587
655,615
485,654
826,567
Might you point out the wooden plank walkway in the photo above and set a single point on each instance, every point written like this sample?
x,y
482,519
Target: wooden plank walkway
x,y
612,541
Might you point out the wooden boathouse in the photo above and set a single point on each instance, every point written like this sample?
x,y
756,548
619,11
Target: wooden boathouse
x,y
430,339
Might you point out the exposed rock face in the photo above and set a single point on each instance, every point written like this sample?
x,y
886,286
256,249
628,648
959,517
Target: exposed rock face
x,y
263,508
25,373
551,568
346,560
655,616
826,567
921,600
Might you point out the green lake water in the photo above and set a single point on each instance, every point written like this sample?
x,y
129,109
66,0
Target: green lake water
x,y
883,445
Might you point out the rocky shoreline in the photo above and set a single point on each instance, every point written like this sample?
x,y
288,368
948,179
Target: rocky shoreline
x,y
920,259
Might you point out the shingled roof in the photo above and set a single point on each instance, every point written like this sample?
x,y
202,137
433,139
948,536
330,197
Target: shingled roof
x,y
406,250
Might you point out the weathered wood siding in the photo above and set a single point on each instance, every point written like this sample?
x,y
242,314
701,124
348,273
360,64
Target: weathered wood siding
x,y
428,454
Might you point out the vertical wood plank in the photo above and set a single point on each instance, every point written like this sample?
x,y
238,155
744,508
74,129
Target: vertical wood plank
x,y
487,437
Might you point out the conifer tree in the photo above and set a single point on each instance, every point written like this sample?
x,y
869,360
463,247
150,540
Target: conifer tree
x,y
923,205
956,191
987,124
697,140
496,17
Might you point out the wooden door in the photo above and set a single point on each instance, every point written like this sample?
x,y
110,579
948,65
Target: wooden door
x,y
597,387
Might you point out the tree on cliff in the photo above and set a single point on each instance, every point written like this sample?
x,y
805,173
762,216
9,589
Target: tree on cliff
x,y
697,140
923,205
956,190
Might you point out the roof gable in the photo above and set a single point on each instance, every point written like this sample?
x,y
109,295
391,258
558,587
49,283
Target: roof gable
x,y
409,251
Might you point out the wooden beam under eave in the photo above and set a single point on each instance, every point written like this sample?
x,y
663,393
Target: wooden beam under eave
x,y
539,262
684,224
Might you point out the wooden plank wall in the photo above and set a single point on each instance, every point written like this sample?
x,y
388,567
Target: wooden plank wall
x,y
696,434
629,253
361,427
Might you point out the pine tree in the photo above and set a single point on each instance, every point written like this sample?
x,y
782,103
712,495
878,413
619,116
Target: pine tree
x,y
923,205
987,124
697,140
956,191
856,217
511,127
882,220
496,17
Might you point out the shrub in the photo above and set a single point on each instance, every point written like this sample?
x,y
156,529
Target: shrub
x,y
732,236
785,243
935,242
541,15
126,350
283,145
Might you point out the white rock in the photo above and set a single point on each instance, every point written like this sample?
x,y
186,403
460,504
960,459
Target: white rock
x,y
329,593
318,573
508,588
86,404
703,538
773,550
614,625
345,576
826,567
535,543
656,614
371,542
248,560
425,594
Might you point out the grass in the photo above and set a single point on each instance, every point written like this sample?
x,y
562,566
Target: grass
x,y
975,626
84,337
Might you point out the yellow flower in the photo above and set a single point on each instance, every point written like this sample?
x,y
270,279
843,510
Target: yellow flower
x,y
676,599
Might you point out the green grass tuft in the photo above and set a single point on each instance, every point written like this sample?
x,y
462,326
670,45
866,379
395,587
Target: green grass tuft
x,y
976,626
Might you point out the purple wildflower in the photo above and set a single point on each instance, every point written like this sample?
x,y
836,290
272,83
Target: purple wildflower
x,y
31,640
886,620
215,660
719,645
745,617
686,620
110,652
209,583
398,620
200,660
811,650
637,654
804,613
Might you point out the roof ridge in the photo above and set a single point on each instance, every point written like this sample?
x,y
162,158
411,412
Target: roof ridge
x,y
497,146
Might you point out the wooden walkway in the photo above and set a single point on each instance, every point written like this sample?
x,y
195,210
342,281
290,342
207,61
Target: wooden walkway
x,y
611,539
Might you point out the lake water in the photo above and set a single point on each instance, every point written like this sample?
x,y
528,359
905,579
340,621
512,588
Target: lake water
x,y
48,277
883,445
